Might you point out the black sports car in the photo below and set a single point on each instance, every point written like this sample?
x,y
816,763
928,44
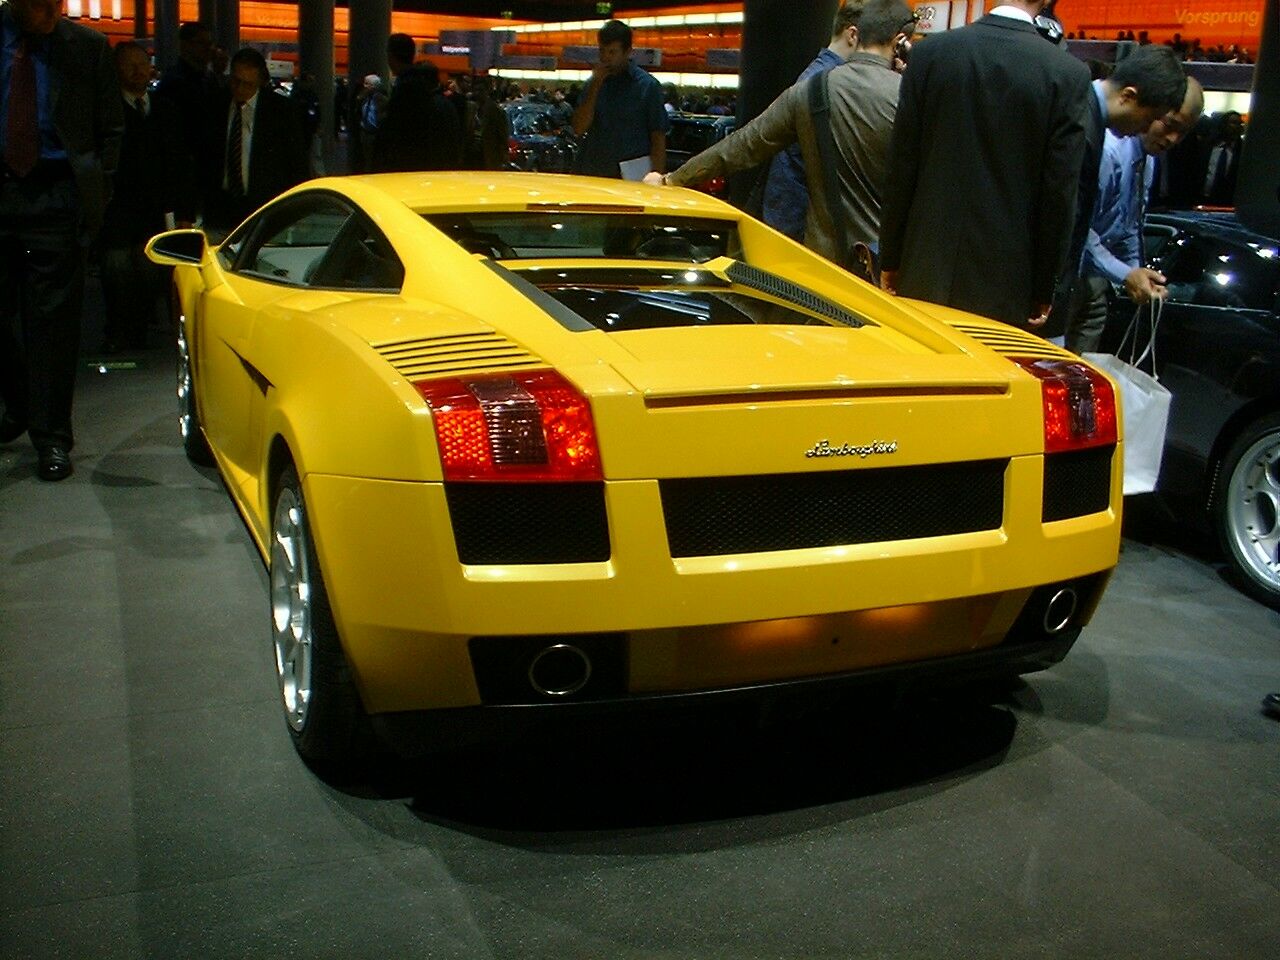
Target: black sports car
x,y
691,133
538,141
1217,350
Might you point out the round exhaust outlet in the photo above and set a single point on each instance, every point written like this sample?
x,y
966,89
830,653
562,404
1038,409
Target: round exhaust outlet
x,y
559,670
1060,610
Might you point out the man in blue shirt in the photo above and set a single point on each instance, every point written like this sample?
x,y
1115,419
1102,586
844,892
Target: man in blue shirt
x,y
621,112
1113,247
786,193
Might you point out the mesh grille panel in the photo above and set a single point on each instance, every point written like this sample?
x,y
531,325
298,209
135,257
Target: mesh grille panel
x,y
454,354
765,282
719,515
1077,483
528,522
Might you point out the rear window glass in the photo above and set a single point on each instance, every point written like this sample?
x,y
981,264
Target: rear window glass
x,y
540,236
636,300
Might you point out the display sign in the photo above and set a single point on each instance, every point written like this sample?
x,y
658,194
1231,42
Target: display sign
x,y
481,47
526,63
724,58
640,56
933,17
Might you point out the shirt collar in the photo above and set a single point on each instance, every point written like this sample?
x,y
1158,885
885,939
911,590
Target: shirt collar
x,y
1100,91
251,103
1013,13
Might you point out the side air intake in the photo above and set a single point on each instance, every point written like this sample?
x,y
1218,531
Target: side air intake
x,y
1012,342
454,354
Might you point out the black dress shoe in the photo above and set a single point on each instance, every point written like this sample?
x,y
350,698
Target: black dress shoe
x,y
11,428
55,464
1271,704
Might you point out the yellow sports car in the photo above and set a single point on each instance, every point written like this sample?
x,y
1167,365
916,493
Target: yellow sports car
x,y
544,442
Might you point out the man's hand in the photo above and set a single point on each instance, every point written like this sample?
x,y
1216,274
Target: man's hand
x,y
1143,285
655,179
599,72
1041,316
889,281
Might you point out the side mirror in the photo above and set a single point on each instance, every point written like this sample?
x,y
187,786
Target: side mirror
x,y
177,248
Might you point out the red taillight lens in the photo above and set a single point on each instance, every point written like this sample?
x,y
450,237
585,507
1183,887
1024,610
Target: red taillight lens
x,y
513,148
525,426
715,186
1079,405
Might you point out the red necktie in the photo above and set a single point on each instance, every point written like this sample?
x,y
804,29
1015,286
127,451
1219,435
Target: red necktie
x,y
22,132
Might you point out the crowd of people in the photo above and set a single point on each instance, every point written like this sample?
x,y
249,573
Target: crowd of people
x,y
1186,50
861,160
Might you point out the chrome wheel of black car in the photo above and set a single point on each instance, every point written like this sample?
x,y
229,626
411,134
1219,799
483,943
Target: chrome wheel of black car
x,y
319,698
1248,508
193,441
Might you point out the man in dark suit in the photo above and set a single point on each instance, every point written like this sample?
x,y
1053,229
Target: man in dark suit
x,y
420,130
193,90
144,201
60,128
983,168
257,146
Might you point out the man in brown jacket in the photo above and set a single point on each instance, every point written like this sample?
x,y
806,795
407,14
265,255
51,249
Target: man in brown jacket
x,y
863,93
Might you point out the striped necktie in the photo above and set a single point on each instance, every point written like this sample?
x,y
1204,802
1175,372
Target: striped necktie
x,y
235,160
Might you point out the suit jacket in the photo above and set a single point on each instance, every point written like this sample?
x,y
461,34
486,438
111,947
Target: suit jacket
x,y
420,130
86,115
148,181
984,165
863,93
277,159
1095,132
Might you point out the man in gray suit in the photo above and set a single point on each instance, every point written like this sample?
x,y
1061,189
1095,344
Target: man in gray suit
x,y
60,126
863,97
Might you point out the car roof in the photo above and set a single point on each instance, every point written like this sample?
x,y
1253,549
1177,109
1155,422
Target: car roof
x,y
1223,225
451,191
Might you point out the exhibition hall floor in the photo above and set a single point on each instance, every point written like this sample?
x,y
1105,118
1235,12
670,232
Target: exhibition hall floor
x,y
1124,804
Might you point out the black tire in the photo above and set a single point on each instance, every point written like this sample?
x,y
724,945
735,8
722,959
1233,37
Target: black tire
x,y
193,441
329,727
1246,509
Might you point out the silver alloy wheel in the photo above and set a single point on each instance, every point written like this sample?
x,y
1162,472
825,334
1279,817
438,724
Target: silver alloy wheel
x,y
291,607
1253,510
184,382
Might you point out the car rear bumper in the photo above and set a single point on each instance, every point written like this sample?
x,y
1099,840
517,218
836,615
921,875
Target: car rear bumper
x,y
418,732
410,614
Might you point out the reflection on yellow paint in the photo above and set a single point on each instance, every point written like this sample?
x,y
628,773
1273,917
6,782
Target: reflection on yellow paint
x,y
704,657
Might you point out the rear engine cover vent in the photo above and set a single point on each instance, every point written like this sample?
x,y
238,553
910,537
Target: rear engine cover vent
x,y
1012,342
454,355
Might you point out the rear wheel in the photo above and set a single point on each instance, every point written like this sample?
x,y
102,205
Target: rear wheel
x,y
1247,508
193,441
321,705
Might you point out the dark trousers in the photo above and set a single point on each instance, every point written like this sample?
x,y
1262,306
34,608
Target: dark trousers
x,y
41,298
130,292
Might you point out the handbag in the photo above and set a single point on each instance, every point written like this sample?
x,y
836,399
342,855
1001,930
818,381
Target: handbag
x,y
1144,403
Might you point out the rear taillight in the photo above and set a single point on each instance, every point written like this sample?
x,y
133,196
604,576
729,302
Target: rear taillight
x,y
1079,405
523,426
513,148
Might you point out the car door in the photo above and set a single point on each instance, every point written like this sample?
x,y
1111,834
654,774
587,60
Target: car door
x,y
1217,320
277,254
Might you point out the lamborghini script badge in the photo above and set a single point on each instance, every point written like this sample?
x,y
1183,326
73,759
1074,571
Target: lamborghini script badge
x,y
823,448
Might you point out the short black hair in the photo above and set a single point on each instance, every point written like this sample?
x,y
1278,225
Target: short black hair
x,y
615,31
1156,74
402,47
847,16
192,29
252,58
882,20
121,48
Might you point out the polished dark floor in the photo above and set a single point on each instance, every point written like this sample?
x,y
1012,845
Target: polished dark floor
x,y
1124,804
